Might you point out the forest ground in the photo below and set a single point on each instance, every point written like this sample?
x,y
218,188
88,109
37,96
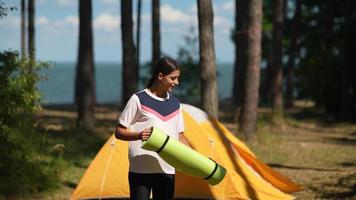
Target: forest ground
x,y
313,149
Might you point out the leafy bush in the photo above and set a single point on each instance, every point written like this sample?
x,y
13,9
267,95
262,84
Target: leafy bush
x,y
23,168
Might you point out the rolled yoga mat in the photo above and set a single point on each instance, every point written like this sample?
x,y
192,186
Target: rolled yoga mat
x,y
183,158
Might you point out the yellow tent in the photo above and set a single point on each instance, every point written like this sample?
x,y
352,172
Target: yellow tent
x,y
246,178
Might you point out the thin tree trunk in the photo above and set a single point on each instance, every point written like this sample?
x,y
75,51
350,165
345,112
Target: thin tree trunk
x,y
292,55
241,23
207,58
85,73
326,22
240,56
249,104
277,81
234,38
23,29
138,32
347,103
129,66
266,94
31,33
156,36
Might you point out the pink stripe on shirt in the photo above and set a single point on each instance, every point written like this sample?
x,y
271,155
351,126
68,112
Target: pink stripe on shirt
x,y
163,118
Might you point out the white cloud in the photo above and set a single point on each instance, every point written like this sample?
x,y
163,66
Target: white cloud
x,y
228,6
107,22
171,15
71,20
186,19
103,21
65,2
67,21
221,23
57,28
110,2
42,21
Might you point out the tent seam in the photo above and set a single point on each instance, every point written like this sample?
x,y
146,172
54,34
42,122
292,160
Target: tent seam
x,y
106,170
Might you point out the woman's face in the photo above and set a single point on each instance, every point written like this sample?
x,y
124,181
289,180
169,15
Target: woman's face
x,y
168,82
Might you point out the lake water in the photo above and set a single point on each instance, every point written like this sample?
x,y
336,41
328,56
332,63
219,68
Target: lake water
x,y
59,84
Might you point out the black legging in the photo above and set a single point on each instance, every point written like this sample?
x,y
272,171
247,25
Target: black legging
x,y
162,186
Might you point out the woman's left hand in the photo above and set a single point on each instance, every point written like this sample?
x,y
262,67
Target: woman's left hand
x,y
146,133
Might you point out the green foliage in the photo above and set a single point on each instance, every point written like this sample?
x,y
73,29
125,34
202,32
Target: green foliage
x,y
326,67
18,94
189,88
4,9
23,168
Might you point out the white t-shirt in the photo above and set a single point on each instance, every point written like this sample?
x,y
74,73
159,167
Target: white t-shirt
x,y
144,110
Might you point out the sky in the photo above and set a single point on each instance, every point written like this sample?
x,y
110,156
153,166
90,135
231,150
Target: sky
x,y
57,29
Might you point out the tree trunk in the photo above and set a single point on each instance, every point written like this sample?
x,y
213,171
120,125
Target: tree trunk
x,y
31,33
85,73
277,78
138,32
294,51
129,67
207,58
156,36
348,100
266,90
249,103
23,29
240,56
325,58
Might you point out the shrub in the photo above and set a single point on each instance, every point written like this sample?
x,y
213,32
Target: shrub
x,y
23,168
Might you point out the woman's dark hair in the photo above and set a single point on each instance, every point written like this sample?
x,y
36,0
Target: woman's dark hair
x,y
164,65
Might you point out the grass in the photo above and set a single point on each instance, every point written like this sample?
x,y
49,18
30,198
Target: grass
x,y
306,146
318,154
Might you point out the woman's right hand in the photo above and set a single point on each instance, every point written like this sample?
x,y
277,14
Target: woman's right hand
x,y
145,134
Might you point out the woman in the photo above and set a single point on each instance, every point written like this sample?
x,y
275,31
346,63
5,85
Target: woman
x,y
154,106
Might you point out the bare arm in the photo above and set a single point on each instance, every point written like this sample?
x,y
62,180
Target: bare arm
x,y
122,133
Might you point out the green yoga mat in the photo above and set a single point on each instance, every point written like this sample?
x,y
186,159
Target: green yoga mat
x,y
183,158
